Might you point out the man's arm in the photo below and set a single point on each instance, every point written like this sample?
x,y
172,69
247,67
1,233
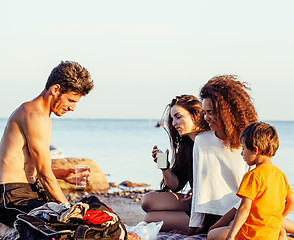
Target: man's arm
x,y
240,217
69,175
37,128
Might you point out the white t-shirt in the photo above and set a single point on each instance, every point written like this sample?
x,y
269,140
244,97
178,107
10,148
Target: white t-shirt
x,y
217,174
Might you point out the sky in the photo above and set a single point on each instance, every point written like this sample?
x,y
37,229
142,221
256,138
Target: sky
x,y
141,54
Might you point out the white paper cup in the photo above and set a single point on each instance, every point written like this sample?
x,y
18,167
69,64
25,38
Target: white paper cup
x,y
161,160
81,171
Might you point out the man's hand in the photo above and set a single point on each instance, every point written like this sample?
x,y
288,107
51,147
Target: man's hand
x,y
69,175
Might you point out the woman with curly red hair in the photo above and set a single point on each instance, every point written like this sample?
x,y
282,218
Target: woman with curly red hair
x,y
218,166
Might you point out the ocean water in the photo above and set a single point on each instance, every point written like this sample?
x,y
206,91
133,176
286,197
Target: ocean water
x,y
122,148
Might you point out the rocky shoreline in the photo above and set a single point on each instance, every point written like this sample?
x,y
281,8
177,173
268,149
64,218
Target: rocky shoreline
x,y
123,198
135,195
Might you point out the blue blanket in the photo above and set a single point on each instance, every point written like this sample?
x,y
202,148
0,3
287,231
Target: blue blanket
x,y
176,236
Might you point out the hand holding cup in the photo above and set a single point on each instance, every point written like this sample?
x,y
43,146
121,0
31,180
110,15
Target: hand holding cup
x,y
82,175
162,162
161,158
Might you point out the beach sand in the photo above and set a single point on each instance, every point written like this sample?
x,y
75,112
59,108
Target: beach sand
x,y
128,210
124,203
127,205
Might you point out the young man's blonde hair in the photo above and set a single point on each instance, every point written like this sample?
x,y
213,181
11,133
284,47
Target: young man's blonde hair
x,y
261,135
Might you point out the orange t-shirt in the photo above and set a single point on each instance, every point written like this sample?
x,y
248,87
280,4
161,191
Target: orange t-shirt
x,y
267,187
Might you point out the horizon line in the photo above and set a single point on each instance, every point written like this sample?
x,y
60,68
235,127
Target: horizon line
x,y
149,119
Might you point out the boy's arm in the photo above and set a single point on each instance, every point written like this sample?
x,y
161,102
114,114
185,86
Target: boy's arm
x,y
240,217
289,205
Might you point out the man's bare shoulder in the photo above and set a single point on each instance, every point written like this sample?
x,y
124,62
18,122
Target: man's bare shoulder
x,y
33,119
15,158
27,125
27,121
30,112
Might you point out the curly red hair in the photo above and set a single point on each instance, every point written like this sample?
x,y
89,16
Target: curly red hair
x,y
232,104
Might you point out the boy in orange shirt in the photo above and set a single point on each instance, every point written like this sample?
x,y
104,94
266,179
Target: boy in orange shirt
x,y
263,190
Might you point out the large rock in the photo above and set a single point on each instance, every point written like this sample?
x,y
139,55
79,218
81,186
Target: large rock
x,y
98,180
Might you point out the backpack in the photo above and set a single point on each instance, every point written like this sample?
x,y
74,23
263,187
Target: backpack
x,y
99,222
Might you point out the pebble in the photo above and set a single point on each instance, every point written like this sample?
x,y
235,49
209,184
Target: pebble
x,y
113,184
132,185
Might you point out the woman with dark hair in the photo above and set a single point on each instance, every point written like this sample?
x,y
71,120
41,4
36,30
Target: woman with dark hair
x,y
184,122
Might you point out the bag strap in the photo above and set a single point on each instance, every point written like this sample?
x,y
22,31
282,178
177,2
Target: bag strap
x,y
40,226
82,231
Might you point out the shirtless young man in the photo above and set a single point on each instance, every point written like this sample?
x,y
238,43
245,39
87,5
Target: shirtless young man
x,y
25,159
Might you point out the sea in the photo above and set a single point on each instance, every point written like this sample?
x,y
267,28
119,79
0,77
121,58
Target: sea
x,y
122,147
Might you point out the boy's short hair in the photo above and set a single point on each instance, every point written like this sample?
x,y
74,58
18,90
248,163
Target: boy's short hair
x,y
261,135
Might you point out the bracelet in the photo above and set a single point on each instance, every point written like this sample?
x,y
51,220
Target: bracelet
x,y
164,169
